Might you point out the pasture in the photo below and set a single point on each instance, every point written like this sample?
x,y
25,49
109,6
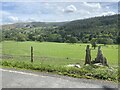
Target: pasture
x,y
53,57
55,53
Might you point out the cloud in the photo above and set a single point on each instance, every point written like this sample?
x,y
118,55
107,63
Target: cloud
x,y
31,20
108,13
13,18
49,12
4,13
70,9
59,0
10,19
92,5
107,7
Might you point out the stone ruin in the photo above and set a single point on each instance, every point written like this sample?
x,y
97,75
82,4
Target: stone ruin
x,y
88,55
100,59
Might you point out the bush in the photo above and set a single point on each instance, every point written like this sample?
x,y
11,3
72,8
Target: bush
x,y
21,37
88,72
105,41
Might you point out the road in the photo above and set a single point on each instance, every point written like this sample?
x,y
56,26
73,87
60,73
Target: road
x,y
30,79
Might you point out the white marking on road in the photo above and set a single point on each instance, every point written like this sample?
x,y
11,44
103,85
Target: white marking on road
x,y
20,72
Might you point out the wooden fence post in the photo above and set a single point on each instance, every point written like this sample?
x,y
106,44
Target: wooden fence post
x,y
31,54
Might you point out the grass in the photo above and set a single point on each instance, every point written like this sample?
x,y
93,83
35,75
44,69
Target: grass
x,y
57,53
89,72
52,57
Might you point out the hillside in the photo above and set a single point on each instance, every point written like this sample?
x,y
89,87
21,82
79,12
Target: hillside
x,y
103,29
96,23
32,24
90,23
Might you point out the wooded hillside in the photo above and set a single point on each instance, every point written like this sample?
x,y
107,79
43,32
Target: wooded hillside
x,y
102,29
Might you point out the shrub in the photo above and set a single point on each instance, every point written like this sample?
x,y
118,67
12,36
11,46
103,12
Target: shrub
x,y
88,72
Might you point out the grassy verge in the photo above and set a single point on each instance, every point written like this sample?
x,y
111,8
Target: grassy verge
x,y
89,72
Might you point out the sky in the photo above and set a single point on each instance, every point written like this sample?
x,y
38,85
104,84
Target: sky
x,y
14,12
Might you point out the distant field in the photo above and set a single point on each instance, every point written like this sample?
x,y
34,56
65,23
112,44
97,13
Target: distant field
x,y
55,53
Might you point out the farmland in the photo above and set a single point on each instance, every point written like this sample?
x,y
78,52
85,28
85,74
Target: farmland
x,y
53,57
57,53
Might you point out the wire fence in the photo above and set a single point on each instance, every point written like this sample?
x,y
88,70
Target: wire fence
x,y
42,59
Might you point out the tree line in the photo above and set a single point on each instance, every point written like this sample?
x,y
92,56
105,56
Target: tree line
x,y
51,34
101,30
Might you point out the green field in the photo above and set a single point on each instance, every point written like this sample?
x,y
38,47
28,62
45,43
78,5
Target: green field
x,y
53,57
55,53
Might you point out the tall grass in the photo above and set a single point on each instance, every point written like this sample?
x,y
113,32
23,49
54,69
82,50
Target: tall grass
x,y
89,72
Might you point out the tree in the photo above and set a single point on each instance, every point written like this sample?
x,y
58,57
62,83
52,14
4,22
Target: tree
x,y
21,37
118,40
54,38
105,41
73,40
109,41
40,38
0,36
94,42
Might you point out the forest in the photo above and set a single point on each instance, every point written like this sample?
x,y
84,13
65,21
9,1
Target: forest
x,y
101,30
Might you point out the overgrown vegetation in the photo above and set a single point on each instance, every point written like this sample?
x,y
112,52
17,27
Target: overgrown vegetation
x,y
89,72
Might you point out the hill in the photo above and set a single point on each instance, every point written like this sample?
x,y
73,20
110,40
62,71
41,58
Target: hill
x,y
76,25
102,29
96,23
32,24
